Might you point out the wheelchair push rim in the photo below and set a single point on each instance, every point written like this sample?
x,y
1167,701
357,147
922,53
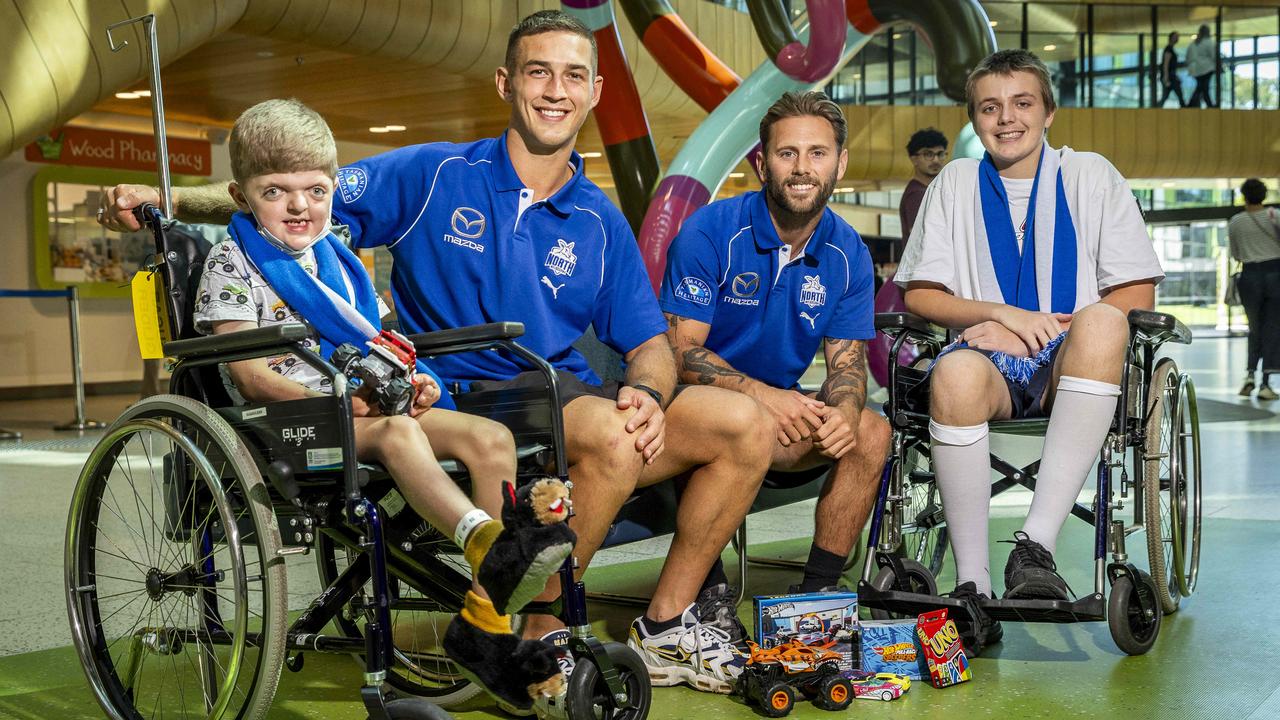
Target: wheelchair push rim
x,y
1171,485
1187,501
175,608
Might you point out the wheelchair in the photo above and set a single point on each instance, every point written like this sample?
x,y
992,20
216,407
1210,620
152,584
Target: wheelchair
x,y
1156,429
186,511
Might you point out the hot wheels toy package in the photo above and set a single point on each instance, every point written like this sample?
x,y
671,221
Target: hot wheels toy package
x,y
889,646
822,620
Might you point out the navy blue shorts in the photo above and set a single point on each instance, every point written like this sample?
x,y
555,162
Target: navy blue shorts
x,y
571,387
1028,401
1026,392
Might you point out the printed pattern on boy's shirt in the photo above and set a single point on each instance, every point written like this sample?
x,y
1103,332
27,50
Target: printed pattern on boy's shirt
x,y
232,289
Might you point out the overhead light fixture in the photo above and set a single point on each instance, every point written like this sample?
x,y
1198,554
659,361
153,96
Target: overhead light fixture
x,y
592,154
379,129
128,95
857,76
265,54
1050,47
142,93
843,190
737,175
1167,184
993,23
897,36
395,128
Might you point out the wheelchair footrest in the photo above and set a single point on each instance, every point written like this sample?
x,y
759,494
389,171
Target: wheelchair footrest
x,y
1086,609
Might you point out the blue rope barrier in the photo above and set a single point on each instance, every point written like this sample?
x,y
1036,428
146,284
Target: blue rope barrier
x,y
36,293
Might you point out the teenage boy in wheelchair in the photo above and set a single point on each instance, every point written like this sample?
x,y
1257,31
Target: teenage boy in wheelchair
x,y
284,162
1036,255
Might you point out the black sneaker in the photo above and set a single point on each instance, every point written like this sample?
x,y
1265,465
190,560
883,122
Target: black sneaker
x,y
977,631
717,607
1247,389
1030,573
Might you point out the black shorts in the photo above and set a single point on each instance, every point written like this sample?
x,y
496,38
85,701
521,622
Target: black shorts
x,y
571,386
1026,402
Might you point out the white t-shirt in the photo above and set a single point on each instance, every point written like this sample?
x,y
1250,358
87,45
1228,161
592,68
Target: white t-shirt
x,y
231,288
1112,244
1018,190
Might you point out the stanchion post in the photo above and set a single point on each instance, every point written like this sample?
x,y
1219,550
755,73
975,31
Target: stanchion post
x,y
77,371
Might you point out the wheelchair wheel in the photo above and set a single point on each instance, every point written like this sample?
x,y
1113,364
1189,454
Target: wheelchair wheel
x,y
1133,630
175,591
1171,484
918,580
418,621
588,698
924,531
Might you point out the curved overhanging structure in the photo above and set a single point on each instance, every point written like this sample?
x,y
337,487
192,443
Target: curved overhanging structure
x,y
57,63
57,66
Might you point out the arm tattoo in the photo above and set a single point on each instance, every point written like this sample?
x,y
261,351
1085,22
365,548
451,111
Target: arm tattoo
x,y
846,382
698,360
709,367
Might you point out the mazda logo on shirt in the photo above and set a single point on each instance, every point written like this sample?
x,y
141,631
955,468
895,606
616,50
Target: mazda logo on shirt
x,y
746,284
468,223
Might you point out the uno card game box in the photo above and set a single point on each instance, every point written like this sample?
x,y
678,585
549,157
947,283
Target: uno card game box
x,y
943,651
890,646
825,620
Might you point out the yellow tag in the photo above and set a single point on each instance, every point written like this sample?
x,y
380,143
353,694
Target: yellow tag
x,y
150,315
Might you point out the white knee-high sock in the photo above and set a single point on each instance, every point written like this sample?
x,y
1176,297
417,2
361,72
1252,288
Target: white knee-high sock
x,y
1081,416
962,466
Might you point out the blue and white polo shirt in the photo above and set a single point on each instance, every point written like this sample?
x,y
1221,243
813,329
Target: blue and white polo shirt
x,y
768,316
471,246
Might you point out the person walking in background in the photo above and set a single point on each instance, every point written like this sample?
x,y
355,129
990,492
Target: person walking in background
x,y
1169,73
1253,237
1202,64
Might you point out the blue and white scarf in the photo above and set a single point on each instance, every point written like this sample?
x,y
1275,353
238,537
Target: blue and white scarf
x,y
1041,276
339,301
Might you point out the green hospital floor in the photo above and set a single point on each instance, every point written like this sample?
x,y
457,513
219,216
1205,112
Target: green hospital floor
x,y
1215,658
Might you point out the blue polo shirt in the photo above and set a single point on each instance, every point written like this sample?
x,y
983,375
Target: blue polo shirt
x,y
722,269
470,247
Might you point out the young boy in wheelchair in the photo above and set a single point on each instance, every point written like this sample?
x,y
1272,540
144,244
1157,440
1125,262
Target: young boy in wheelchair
x,y
1035,255
282,264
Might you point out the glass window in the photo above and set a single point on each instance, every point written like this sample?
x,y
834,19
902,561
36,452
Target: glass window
x,y
1121,55
1251,33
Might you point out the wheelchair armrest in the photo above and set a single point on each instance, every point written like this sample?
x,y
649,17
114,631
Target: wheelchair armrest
x,y
897,323
1159,326
442,341
243,341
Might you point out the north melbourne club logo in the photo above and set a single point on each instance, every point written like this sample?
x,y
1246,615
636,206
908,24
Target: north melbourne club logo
x,y
561,259
351,183
812,293
468,223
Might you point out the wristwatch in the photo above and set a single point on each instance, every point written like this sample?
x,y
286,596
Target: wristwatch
x,y
657,396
